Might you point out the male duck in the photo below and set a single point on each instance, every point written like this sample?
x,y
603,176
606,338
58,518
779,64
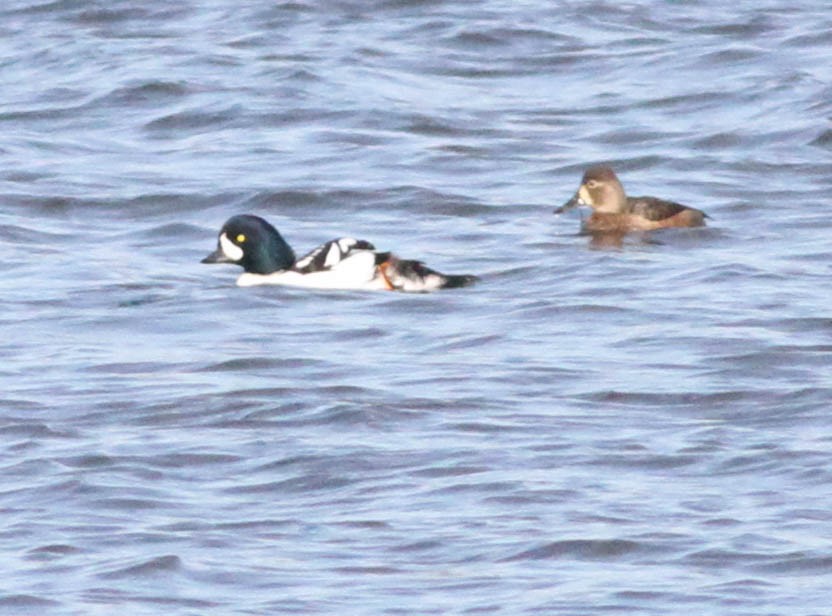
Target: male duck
x,y
615,212
344,263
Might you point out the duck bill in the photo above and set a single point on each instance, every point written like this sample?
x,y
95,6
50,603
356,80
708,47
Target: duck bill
x,y
218,256
572,203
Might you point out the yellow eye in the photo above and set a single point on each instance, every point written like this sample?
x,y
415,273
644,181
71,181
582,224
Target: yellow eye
x,y
241,238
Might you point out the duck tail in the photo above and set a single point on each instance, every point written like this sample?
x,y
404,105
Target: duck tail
x,y
456,281
415,276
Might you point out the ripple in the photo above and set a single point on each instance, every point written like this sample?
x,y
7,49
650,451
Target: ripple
x,y
582,549
150,93
52,552
193,120
154,567
26,602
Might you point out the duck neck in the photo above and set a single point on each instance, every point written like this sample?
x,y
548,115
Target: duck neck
x,y
271,255
614,200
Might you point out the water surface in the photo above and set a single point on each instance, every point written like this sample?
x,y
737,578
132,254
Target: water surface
x,y
641,429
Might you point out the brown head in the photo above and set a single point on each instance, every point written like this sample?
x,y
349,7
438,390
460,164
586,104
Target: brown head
x,y
601,190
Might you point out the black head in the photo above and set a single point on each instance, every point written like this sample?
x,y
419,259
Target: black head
x,y
254,244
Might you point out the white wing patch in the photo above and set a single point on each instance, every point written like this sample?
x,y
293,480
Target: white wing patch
x,y
327,256
333,255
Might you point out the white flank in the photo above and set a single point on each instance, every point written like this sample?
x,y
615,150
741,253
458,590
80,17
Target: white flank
x,y
358,271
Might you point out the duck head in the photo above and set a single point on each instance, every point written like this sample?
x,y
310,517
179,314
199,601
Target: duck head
x,y
252,243
601,190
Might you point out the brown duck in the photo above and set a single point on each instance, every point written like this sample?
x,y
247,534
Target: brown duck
x,y
615,212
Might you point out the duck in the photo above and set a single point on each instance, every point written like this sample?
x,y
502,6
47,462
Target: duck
x,y
615,212
344,263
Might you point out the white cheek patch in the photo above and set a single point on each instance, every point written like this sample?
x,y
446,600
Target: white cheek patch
x,y
230,249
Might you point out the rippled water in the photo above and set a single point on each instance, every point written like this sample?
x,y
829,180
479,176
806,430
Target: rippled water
x,y
591,430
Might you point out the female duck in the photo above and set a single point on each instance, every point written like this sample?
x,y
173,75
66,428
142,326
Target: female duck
x,y
615,212
345,263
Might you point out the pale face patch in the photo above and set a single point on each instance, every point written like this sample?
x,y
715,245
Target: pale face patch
x,y
584,197
230,249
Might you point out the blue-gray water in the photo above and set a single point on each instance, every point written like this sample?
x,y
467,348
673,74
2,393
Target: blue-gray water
x,y
643,429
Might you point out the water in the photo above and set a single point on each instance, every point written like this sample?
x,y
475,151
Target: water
x,y
591,430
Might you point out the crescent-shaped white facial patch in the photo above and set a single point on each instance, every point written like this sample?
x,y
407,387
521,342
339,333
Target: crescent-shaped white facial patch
x,y
230,249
